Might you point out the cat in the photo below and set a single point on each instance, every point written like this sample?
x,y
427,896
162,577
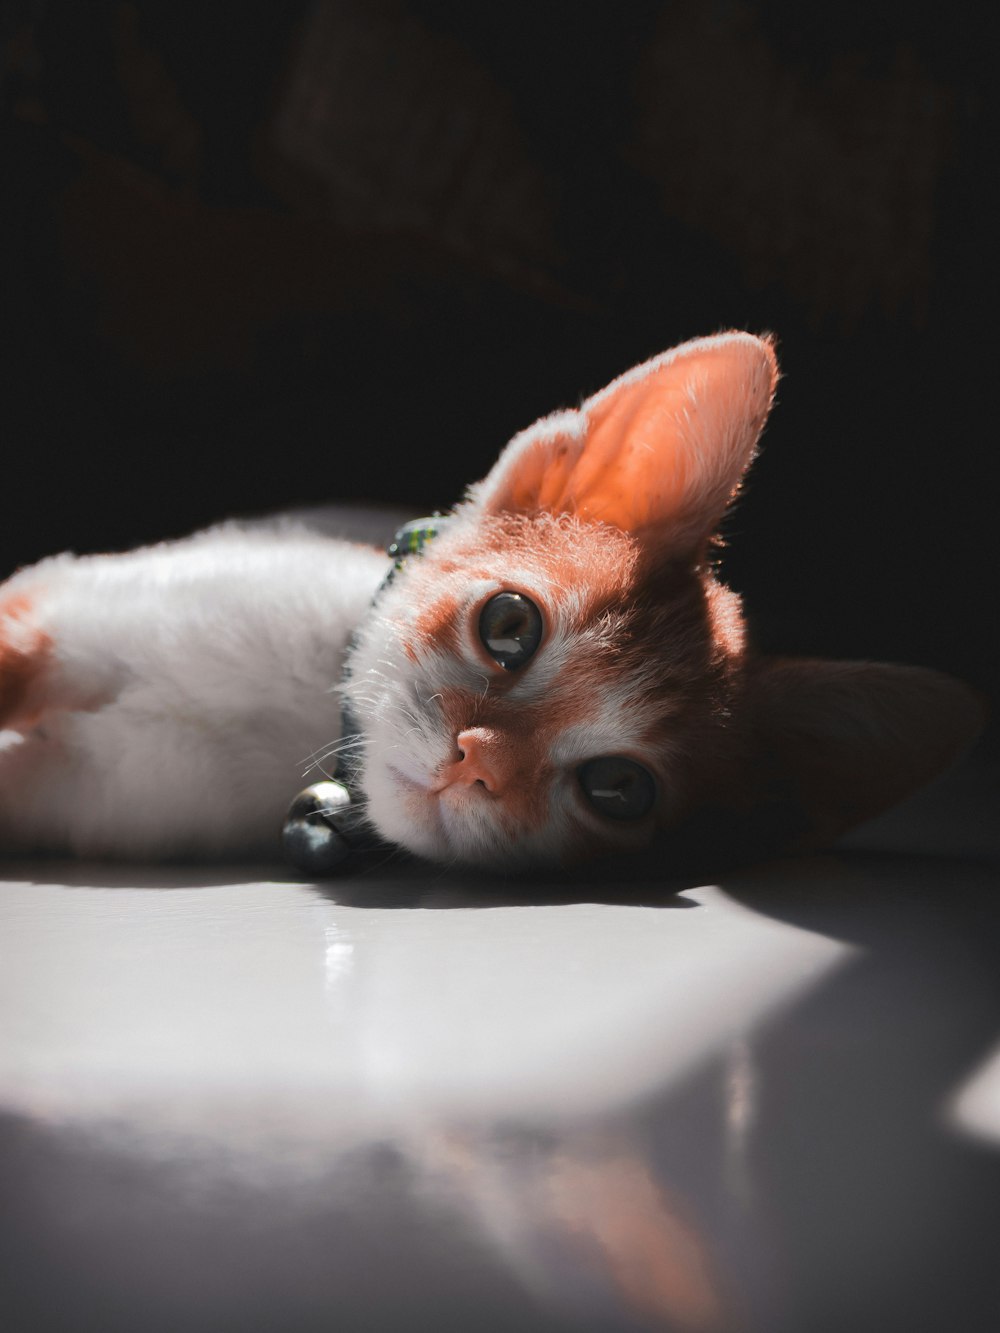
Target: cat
x,y
560,672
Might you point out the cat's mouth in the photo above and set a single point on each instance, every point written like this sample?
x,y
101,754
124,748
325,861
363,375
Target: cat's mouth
x,y
436,791
466,823
460,817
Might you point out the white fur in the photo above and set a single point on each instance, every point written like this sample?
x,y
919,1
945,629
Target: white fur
x,y
206,674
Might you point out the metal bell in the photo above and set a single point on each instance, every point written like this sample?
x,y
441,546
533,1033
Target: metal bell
x,y
318,828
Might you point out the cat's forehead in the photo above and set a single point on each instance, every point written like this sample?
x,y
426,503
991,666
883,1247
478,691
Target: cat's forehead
x,y
609,624
581,568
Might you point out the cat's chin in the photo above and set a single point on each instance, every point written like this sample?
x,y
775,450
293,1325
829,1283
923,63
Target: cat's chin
x,y
471,827
405,811
456,824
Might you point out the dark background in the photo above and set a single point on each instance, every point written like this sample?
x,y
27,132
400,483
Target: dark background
x,y
258,255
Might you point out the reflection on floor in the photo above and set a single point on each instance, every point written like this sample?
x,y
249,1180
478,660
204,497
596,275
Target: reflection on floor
x,y
230,1101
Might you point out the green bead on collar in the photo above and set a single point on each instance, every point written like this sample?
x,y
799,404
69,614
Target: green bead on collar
x,y
412,537
410,540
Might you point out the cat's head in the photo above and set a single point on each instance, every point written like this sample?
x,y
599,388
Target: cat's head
x,y
562,673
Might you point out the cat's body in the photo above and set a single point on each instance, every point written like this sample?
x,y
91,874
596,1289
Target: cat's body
x,y
184,688
560,673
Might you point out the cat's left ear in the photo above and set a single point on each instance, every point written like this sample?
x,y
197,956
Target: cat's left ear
x,y
832,744
659,453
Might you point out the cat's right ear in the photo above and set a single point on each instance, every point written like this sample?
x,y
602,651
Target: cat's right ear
x,y
658,453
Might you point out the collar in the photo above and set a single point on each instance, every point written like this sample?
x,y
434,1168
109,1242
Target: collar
x,y
325,825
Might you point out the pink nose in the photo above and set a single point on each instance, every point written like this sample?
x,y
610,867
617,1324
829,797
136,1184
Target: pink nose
x,y
481,759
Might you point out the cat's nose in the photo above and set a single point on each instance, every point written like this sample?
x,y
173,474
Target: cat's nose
x,y
482,758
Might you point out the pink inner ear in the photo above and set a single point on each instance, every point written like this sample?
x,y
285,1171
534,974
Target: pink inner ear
x,y
663,446
671,445
541,479
639,466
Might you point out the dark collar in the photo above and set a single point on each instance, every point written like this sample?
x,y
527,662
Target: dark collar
x,y
325,827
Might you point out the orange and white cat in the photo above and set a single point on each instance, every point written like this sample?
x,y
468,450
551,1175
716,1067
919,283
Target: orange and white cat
x,y
560,672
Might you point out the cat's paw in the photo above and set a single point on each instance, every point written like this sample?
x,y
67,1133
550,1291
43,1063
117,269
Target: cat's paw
x,y
54,652
25,662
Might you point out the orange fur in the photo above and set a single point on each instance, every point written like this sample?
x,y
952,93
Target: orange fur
x,y
25,653
593,562
436,624
670,641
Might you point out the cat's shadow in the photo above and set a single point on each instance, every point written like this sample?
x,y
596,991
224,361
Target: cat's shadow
x,y
431,888
820,890
376,883
647,879
790,887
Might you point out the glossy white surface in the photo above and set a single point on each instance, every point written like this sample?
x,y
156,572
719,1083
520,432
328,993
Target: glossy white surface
x,y
411,1100
182,1005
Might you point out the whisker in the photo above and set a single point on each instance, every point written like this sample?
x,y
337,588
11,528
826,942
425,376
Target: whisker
x,y
345,744
322,751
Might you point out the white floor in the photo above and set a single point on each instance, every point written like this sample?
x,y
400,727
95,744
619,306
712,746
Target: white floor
x,y
229,1100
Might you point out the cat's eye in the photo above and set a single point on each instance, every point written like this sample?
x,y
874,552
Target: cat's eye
x,y
616,787
510,626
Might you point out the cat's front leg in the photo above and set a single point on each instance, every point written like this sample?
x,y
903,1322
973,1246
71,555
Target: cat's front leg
x,y
54,664
166,702
46,663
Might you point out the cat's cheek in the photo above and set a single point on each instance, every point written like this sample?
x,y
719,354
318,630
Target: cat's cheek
x,y
585,836
606,845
